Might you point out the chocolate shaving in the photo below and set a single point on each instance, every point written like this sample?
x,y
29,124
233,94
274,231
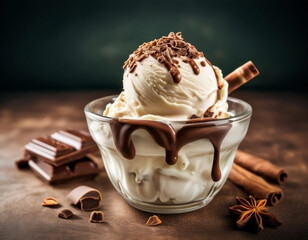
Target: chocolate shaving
x,y
164,50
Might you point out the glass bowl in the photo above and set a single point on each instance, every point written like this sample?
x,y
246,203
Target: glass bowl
x,y
168,166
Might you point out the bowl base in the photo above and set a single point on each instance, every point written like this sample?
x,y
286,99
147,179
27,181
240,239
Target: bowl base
x,y
169,209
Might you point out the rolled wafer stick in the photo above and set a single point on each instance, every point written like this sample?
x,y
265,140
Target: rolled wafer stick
x,y
261,167
241,75
255,185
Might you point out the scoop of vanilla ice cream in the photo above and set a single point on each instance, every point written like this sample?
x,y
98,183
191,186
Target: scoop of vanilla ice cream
x,y
151,93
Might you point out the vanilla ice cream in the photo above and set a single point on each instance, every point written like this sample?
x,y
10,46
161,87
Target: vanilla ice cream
x,y
169,79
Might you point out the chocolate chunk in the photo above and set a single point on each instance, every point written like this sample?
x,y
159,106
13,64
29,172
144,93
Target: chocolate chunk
x,y
97,217
194,116
61,147
65,213
153,221
50,202
82,168
86,198
23,162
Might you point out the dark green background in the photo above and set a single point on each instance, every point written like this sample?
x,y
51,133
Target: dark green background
x,y
83,44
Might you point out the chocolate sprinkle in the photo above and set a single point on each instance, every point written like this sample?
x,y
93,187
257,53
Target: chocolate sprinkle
x,y
164,50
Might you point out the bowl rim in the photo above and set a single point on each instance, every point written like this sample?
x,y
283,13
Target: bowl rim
x,y
236,118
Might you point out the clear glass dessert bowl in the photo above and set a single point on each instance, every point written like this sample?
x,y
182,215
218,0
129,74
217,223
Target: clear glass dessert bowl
x,y
168,166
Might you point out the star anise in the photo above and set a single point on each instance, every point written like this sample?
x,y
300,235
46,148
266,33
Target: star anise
x,y
252,214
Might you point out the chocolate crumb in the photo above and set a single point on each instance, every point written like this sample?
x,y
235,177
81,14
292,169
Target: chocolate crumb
x,y
208,114
65,213
153,221
97,217
50,202
203,64
24,161
194,116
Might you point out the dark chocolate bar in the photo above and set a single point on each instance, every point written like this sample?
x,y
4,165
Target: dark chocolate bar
x,y
61,147
86,198
82,168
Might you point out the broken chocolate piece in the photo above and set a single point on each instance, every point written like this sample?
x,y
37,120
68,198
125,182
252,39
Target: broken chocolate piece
x,y
24,161
61,147
65,213
97,217
75,138
86,198
50,202
52,147
153,221
82,168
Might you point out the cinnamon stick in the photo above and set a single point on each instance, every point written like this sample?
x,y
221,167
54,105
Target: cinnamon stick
x,y
241,75
261,167
255,185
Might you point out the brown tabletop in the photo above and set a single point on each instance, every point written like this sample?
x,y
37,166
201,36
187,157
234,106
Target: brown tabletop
x,y
278,132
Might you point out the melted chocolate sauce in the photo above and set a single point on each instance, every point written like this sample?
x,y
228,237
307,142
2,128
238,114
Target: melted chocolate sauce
x,y
193,65
166,137
174,72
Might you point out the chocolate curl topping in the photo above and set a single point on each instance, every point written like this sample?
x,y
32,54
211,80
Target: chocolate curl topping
x,y
241,75
165,50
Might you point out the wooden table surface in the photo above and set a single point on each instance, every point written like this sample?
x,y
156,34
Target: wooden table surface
x,y
278,132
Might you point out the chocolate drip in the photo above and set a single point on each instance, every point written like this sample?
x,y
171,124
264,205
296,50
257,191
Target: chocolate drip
x,y
193,65
122,130
175,73
214,133
165,136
